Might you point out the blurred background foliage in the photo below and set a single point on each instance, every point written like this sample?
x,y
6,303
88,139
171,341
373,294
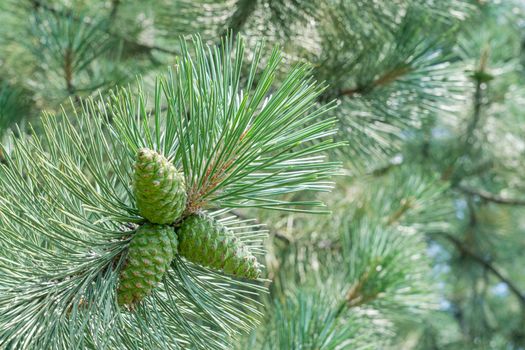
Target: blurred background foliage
x,y
424,249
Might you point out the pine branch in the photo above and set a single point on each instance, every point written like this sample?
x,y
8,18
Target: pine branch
x,y
70,215
401,76
306,318
243,12
487,264
404,206
383,80
480,78
68,70
252,153
490,197
68,52
115,4
39,4
356,296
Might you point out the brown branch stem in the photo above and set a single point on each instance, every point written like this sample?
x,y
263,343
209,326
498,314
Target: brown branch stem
x,y
383,80
460,246
490,197
68,71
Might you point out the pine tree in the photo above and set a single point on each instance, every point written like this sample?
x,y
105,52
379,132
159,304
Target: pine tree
x,y
421,241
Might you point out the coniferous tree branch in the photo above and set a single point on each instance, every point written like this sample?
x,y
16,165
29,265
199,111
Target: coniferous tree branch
x,y
242,14
481,77
39,4
369,244
490,197
115,4
487,264
380,103
68,234
385,79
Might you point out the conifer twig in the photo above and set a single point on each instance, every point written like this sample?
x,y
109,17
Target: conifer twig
x,y
68,70
240,16
384,79
480,82
460,246
39,4
114,8
355,296
490,197
72,204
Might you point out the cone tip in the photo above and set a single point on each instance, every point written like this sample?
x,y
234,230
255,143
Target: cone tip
x,y
145,153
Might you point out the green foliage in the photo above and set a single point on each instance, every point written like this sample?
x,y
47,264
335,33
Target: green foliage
x,y
11,99
237,146
351,281
424,244
68,207
389,79
67,47
309,319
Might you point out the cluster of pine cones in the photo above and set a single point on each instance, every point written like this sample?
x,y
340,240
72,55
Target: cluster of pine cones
x,y
161,199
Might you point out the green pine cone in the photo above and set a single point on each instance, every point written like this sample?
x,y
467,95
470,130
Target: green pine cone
x,y
159,188
204,241
150,253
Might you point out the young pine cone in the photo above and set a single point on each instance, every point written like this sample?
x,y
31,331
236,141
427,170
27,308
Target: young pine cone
x,y
159,188
205,241
150,253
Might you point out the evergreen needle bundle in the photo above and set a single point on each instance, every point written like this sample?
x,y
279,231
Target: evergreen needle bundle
x,y
91,213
